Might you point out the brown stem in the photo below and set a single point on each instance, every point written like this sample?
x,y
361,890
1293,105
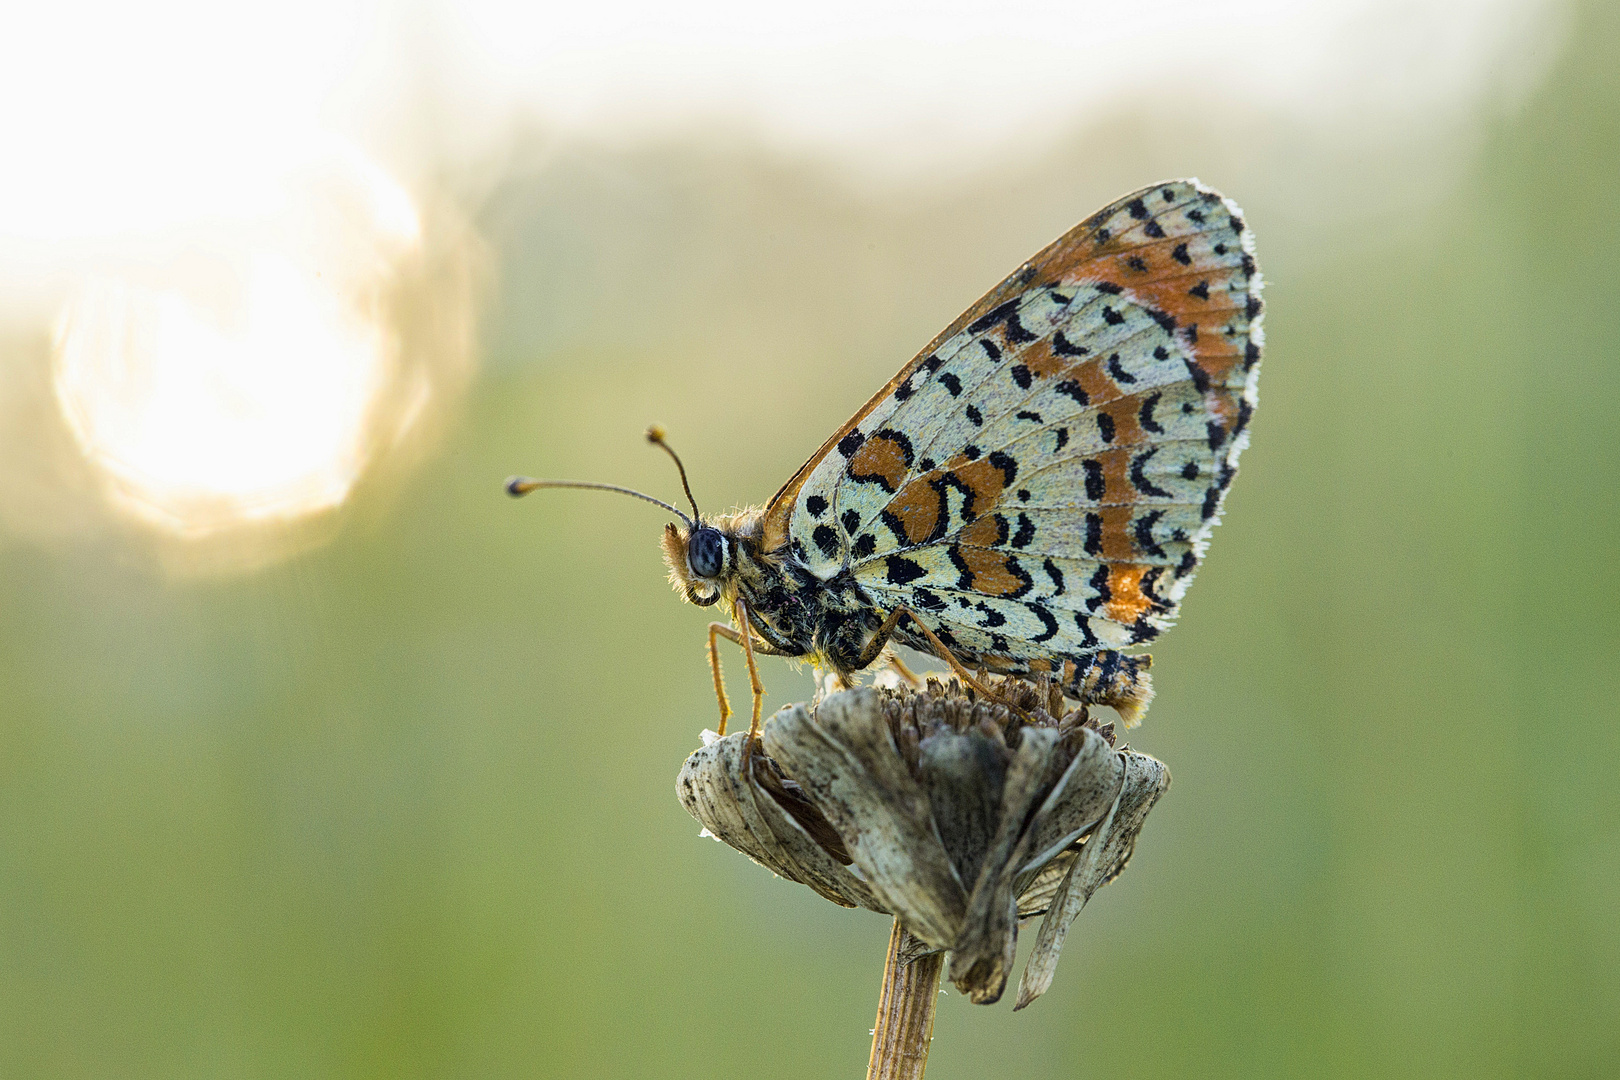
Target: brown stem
x,y
905,1016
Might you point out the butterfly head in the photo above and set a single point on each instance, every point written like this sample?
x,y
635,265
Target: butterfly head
x,y
701,554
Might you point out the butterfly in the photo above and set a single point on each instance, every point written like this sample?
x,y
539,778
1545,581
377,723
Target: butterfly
x,y
1033,492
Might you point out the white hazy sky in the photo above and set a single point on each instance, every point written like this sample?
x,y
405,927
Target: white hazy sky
x,y
118,117
176,173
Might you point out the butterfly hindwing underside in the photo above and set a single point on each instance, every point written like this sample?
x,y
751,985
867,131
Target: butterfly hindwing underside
x,y
1040,483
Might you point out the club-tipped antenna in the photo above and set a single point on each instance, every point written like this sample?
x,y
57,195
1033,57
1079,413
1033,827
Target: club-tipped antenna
x,y
655,435
522,485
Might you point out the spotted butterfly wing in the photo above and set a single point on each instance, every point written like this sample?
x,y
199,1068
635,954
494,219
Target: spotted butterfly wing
x,y
1039,484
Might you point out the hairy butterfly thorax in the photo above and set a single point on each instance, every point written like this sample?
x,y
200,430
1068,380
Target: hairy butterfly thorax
x,y
1030,495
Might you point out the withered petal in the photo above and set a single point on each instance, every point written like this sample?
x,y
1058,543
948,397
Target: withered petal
x,y
712,788
844,757
1077,802
1105,854
984,953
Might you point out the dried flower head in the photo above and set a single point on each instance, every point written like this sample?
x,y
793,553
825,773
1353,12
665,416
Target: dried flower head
x,y
959,815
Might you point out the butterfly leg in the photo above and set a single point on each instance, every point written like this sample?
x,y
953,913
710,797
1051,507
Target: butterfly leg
x,y
750,646
900,668
716,631
754,685
881,639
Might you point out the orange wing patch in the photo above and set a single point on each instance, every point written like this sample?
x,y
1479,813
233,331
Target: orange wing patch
x,y
919,508
884,458
1126,601
983,479
993,573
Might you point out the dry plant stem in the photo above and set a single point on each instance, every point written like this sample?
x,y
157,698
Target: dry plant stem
x,y
905,1016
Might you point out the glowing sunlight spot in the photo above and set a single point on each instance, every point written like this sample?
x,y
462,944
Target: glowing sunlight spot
x,y
238,387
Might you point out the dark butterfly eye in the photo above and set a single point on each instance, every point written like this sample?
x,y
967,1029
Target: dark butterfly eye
x,y
707,553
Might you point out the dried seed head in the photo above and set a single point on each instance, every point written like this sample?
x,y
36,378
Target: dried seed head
x,y
959,814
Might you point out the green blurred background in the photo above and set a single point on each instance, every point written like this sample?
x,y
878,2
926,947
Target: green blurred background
x,y
402,805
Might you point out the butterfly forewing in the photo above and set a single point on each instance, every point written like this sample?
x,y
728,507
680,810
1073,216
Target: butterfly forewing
x,y
1041,481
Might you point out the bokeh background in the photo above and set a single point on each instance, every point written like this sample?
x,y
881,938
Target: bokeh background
x,y
321,758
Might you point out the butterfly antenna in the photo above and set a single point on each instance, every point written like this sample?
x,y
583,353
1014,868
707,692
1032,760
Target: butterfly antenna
x,y
655,435
522,485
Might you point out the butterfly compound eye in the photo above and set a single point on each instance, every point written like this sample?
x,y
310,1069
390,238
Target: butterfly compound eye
x,y
707,553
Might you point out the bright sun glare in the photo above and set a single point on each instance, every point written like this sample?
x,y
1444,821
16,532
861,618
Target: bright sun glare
x,y
238,387
220,268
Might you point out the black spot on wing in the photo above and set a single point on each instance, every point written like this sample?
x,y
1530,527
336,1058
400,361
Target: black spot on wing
x,y
1074,390
1062,346
1047,620
1088,640
1026,531
1139,476
1200,377
1093,534
1181,256
851,443
903,571
865,544
1144,533
927,600
826,539
1056,575
1145,417
950,382
1096,485
851,521
816,505
1099,585
1119,374
999,313
1021,376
